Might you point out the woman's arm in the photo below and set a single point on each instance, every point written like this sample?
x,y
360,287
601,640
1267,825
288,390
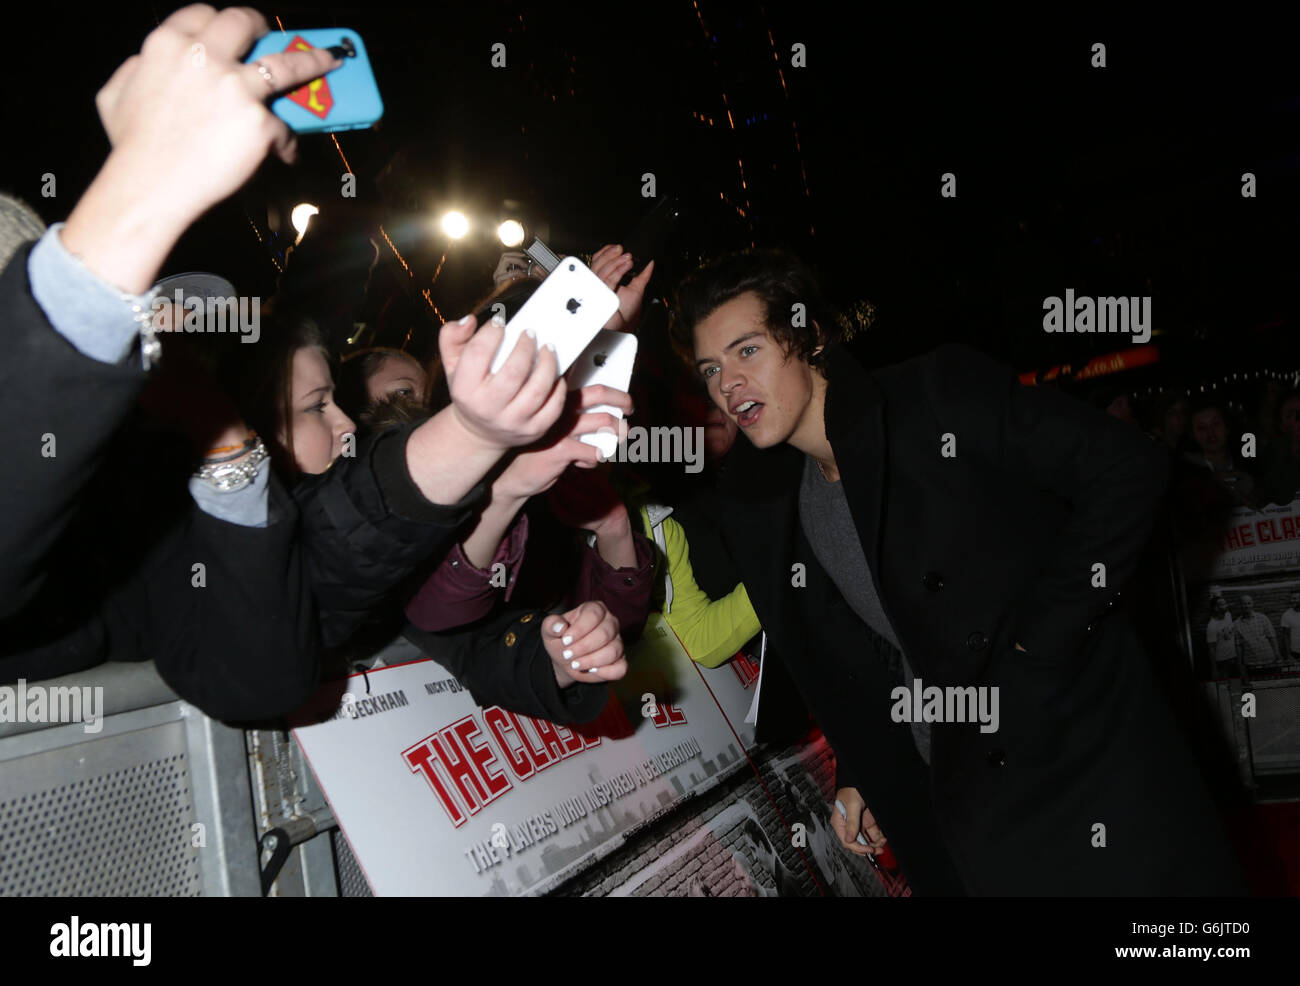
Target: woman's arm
x,y
710,630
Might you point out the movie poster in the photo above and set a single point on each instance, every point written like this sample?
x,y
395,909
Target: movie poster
x,y
439,796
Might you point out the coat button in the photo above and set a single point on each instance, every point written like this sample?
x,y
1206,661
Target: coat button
x,y
997,758
932,581
977,641
628,580
526,617
510,639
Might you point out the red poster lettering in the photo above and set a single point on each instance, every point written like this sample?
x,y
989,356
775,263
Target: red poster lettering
x,y
460,768
480,754
546,733
499,725
536,752
420,758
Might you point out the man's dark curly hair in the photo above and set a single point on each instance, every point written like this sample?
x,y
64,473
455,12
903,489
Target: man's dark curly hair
x,y
780,280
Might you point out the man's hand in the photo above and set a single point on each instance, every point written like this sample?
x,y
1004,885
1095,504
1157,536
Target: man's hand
x,y
189,125
856,819
515,406
610,264
588,638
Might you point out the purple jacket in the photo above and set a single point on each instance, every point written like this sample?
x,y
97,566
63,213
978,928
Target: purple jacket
x,y
459,593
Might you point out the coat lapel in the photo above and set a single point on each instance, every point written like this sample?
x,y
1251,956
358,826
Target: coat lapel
x,y
855,426
762,494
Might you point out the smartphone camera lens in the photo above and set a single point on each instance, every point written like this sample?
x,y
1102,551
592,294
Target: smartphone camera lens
x,y
344,49
573,267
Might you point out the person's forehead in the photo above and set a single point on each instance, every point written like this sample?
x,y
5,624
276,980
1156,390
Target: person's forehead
x,y
744,312
310,369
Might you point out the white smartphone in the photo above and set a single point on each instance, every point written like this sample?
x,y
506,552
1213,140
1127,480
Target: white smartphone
x,y
566,311
608,360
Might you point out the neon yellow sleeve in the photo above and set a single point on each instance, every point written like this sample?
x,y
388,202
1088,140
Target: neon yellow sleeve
x,y
710,630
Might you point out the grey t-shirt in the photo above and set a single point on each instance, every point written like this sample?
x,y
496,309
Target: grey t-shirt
x,y
828,525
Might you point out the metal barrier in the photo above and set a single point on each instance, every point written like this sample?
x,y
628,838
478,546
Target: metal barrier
x,y
161,800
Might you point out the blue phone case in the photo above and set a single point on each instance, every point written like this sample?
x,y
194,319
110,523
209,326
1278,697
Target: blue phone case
x,y
345,99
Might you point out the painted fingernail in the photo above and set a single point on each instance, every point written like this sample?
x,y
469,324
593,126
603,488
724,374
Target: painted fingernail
x,y
557,628
567,654
575,664
465,320
551,346
530,331
568,639
592,670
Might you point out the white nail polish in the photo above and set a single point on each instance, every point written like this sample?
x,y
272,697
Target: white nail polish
x,y
574,665
530,332
465,320
557,628
568,639
567,654
592,670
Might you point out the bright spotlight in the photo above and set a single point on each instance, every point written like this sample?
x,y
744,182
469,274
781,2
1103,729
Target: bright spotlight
x,y
455,225
301,216
511,233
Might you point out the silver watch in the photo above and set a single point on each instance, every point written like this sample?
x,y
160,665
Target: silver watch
x,y
226,477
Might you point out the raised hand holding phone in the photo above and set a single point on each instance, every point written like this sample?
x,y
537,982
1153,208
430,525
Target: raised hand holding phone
x,y
188,124
347,100
607,362
565,313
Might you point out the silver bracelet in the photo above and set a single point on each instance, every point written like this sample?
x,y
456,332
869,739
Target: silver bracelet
x,y
226,477
142,314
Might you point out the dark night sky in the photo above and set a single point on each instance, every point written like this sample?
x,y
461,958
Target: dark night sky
x,y
1119,180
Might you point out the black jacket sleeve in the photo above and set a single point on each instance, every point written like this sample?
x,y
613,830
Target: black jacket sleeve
x,y
1109,473
225,611
48,388
502,662
366,526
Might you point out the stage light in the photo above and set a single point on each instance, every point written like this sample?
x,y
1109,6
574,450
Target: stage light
x,y
301,217
511,233
454,224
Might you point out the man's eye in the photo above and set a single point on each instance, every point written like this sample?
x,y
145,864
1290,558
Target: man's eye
x,y
745,350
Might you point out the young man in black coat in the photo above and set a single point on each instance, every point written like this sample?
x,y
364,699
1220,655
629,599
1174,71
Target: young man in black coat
x,y
934,524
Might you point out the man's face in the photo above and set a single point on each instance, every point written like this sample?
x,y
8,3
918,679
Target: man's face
x,y
1291,416
1176,419
748,376
1209,430
1248,605
1220,607
1294,600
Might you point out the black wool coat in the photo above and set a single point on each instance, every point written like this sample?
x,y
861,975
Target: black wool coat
x,y
1086,788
